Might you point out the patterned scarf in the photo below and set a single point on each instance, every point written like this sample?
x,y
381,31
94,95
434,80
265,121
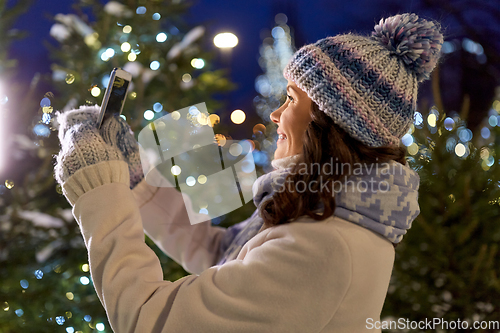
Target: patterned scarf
x,y
379,197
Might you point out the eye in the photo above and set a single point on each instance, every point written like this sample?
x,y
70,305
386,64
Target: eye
x,y
289,97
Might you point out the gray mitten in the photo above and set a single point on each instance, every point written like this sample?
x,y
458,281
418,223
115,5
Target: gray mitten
x,y
117,132
81,143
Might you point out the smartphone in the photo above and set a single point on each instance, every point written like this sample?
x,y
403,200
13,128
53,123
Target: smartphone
x,y
116,92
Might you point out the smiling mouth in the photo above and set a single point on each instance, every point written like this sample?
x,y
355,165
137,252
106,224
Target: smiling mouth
x,y
281,138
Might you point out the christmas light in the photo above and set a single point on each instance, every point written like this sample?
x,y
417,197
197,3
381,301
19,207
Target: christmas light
x,y
202,179
213,119
190,181
157,107
407,139
70,78
127,29
125,47
225,40
95,91
161,37
460,150
154,65
132,57
175,115
198,63
175,170
431,120
141,10
84,280
238,116
148,115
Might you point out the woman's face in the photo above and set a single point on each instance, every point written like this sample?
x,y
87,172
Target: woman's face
x,y
292,118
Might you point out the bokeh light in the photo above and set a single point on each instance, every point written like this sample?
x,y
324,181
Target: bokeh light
x,y
431,120
141,10
9,184
70,78
125,47
95,91
127,29
190,181
225,40
186,77
132,56
449,123
198,63
154,65
99,327
493,120
238,116
460,150
161,37
148,114
220,139
485,132
407,139
176,115
84,280
235,149
156,16
202,179
413,149
175,170
213,120
157,107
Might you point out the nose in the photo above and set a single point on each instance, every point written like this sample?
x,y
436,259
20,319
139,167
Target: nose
x,y
276,114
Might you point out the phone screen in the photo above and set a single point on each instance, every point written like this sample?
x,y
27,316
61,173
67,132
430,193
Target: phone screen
x,y
116,97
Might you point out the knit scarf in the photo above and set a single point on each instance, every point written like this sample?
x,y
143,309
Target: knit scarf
x,y
380,197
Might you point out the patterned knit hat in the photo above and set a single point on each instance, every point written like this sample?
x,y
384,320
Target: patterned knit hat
x,y
368,85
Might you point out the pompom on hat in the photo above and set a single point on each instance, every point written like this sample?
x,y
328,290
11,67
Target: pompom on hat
x,y
368,84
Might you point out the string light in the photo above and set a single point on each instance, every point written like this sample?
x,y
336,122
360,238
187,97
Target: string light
x,y
148,114
95,91
154,65
161,37
175,170
238,116
132,56
225,40
198,63
125,47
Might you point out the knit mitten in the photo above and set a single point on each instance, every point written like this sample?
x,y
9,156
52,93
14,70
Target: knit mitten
x,y
118,133
81,143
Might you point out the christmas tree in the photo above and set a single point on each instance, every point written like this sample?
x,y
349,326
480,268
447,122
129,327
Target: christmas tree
x,y
447,266
276,50
46,285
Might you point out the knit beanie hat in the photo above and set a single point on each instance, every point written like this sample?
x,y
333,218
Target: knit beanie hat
x,y
368,84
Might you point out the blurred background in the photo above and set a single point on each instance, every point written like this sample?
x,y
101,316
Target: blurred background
x,y
57,55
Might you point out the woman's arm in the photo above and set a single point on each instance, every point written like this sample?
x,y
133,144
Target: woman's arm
x,y
165,220
276,286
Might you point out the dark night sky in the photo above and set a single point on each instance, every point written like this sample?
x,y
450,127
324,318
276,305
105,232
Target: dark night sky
x,y
311,19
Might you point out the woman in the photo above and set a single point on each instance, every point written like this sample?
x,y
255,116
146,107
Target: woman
x,y
317,254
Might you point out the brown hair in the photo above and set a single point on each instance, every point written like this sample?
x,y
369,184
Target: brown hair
x,y
324,141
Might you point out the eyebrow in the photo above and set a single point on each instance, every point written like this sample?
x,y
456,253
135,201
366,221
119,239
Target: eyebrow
x,y
290,87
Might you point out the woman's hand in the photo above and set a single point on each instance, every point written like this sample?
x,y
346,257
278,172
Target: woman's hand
x,y
82,144
116,132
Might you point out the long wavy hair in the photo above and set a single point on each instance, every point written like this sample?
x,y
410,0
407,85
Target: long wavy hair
x,y
323,142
